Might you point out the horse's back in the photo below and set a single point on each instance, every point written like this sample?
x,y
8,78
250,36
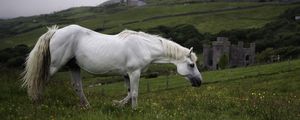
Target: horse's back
x,y
64,43
74,36
91,50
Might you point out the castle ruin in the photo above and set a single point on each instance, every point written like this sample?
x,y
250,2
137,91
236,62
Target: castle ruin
x,y
134,2
237,55
125,2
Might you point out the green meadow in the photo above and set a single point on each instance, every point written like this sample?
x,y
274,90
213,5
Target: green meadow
x,y
268,92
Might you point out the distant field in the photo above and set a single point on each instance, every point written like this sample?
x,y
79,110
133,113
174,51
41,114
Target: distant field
x,y
227,16
207,17
258,92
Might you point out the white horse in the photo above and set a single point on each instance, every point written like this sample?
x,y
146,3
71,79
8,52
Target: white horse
x,y
127,53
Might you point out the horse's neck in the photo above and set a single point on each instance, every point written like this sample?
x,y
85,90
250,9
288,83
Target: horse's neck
x,y
163,60
155,47
157,54
163,57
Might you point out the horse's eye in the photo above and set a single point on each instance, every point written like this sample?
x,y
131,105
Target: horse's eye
x,y
192,65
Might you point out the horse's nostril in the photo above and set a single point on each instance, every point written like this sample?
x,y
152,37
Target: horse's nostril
x,y
195,81
197,84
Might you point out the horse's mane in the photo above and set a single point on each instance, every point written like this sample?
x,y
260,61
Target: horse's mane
x,y
171,49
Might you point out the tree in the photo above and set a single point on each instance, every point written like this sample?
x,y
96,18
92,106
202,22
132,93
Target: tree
x,y
264,56
224,61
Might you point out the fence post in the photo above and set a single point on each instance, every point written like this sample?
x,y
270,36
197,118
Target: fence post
x,y
289,63
167,82
102,89
148,85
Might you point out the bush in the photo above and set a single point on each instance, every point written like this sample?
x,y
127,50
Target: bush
x,y
224,61
264,56
288,52
14,57
4,56
16,62
284,53
21,49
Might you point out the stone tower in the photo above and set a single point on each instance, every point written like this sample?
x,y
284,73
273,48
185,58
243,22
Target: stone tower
x,y
237,54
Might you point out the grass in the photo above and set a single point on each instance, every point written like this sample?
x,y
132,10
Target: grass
x,y
257,92
228,15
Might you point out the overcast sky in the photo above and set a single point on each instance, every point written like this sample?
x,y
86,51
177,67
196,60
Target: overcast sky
x,y
16,8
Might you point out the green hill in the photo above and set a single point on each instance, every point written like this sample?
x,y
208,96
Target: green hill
x,y
211,17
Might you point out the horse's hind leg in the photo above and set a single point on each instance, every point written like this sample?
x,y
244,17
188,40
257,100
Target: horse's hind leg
x,y
77,83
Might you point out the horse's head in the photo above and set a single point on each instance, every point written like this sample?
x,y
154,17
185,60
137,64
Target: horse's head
x,y
187,67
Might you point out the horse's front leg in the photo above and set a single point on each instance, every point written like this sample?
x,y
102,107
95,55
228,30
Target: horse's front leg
x,y
132,82
134,87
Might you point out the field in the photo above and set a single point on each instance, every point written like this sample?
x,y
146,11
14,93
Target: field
x,y
268,92
206,17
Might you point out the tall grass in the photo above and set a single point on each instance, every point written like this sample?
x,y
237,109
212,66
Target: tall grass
x,y
227,94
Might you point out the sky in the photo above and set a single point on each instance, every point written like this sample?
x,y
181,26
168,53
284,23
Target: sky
x,y
17,8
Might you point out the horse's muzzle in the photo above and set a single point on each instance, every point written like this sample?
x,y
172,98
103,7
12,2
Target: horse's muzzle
x,y
195,81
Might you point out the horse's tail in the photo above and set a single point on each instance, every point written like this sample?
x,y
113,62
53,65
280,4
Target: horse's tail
x,y
37,65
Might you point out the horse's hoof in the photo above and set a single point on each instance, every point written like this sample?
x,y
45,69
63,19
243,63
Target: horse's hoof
x,y
135,108
37,100
85,106
118,103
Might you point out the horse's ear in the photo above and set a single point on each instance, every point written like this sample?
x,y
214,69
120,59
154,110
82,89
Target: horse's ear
x,y
190,53
191,50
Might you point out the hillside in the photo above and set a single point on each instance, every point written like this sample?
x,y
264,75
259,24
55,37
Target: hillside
x,y
210,17
259,92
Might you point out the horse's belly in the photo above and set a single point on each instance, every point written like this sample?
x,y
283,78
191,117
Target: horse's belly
x,y
100,65
104,56
98,69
